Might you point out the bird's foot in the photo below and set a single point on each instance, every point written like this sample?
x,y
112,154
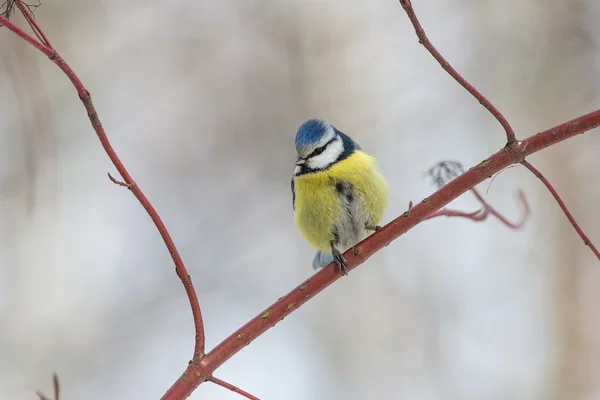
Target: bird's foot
x,y
373,228
339,260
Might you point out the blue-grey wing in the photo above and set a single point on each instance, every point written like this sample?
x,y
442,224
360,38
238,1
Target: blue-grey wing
x,y
321,259
293,195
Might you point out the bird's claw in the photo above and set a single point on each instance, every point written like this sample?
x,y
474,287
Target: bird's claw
x,y
340,261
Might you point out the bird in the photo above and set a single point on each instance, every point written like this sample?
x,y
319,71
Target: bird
x,y
339,195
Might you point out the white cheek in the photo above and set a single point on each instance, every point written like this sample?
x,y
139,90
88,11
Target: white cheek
x,y
325,159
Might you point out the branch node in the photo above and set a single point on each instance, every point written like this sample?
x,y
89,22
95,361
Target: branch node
x,y
84,95
120,183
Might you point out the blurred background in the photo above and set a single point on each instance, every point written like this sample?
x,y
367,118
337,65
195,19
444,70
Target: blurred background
x,y
202,100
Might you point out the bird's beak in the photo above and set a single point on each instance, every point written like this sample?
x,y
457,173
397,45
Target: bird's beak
x,y
300,161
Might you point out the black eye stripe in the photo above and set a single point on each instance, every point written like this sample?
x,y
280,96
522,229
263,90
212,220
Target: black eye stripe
x,y
320,150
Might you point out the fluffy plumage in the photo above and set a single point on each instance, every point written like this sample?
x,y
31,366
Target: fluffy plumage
x,y
338,193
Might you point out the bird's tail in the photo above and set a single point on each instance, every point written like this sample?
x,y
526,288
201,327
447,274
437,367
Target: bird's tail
x,y
321,259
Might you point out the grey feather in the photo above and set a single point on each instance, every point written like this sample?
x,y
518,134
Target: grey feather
x,y
350,227
321,259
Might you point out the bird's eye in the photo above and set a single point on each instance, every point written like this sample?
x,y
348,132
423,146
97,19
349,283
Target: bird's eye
x,y
318,150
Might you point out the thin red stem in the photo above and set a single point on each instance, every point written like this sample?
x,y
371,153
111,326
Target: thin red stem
x,y
85,97
477,216
56,385
524,214
485,211
513,225
232,388
34,25
25,36
424,40
563,207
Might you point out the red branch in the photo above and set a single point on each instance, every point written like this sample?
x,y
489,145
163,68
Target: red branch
x,y
562,205
201,368
232,388
424,40
85,97
56,384
487,210
34,26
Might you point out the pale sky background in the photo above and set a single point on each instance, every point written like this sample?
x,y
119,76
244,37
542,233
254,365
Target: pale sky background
x,y
202,100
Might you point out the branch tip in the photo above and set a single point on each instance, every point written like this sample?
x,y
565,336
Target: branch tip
x,y
586,241
8,8
117,182
424,40
56,385
27,11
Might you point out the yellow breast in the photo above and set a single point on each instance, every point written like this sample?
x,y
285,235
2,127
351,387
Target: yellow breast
x,y
317,205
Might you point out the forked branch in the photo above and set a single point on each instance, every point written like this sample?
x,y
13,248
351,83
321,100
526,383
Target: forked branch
x,y
448,170
511,145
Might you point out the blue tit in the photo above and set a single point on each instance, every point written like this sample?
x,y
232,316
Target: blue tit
x,y
338,193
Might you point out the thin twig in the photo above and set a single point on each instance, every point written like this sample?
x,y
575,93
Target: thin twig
x,y
8,6
34,25
56,387
444,171
487,210
477,216
56,384
232,388
84,95
118,182
513,225
563,207
424,40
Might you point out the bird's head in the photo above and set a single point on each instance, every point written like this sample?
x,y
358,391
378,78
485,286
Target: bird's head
x,y
320,145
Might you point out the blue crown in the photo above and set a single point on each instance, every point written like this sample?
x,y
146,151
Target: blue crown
x,y
311,132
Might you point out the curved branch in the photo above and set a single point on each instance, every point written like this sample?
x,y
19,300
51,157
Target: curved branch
x,y
86,99
563,207
445,171
476,216
424,40
486,210
33,24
